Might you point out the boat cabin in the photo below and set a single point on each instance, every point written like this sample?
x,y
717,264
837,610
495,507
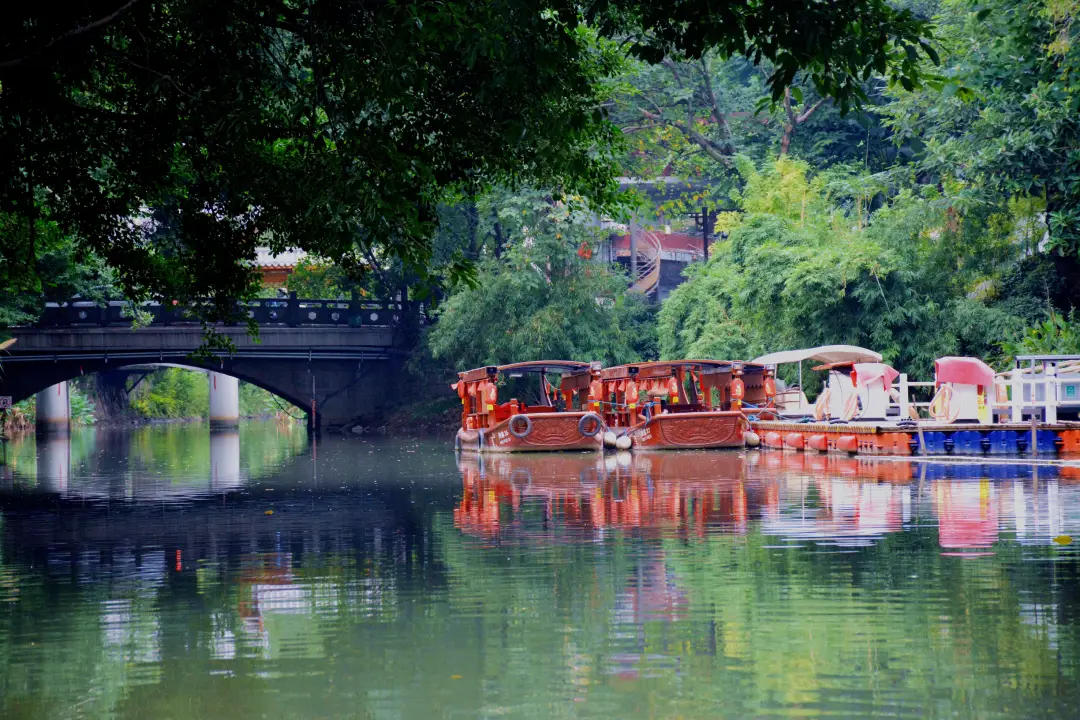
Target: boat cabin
x,y
554,415
482,405
963,386
631,394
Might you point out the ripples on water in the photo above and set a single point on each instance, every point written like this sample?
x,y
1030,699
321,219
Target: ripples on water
x,y
166,573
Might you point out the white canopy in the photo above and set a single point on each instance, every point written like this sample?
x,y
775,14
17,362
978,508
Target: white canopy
x,y
825,353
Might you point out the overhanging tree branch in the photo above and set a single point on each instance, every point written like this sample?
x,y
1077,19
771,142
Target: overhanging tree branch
x,y
74,32
716,151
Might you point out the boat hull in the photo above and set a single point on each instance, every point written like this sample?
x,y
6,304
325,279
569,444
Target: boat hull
x,y
550,432
690,431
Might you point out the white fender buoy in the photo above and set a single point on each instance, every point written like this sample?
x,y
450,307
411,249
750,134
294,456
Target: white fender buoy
x,y
609,439
752,439
624,443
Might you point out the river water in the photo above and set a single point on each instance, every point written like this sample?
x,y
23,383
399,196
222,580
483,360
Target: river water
x,y
168,572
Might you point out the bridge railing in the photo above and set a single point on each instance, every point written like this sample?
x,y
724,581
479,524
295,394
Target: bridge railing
x,y
284,312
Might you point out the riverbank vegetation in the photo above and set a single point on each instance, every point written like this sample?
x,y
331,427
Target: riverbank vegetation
x,y
538,295
22,416
934,220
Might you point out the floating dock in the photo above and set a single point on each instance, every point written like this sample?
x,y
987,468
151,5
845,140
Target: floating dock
x,y
923,438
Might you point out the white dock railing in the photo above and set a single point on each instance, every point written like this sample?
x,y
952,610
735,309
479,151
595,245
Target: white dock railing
x,y
903,387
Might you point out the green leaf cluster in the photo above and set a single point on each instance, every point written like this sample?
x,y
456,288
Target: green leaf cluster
x,y
999,122
807,266
172,393
540,299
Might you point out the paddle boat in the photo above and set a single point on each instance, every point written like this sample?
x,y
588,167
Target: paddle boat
x,y
679,404
857,401
841,395
865,408
559,419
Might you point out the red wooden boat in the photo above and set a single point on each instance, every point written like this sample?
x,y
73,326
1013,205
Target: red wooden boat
x,y
681,403
560,419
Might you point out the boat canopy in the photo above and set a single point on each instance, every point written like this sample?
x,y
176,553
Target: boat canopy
x,y
828,354
565,367
963,371
8,343
866,374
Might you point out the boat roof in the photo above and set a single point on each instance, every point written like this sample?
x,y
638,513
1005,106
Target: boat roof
x,y
537,366
700,363
620,371
828,354
8,343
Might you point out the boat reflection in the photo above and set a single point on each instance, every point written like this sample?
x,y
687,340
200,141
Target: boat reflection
x,y
685,492
793,497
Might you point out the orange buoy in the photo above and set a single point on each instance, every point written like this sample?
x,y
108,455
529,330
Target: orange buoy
x,y
794,440
773,440
847,443
818,442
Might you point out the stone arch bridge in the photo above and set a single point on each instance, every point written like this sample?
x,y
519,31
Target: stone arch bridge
x,y
338,361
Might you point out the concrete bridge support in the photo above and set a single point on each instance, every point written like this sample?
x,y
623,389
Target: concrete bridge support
x,y
54,410
224,400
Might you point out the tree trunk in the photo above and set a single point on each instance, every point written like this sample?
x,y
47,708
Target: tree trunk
x,y
472,218
499,240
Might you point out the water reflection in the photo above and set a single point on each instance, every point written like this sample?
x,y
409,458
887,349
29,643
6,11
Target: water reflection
x,y
54,463
837,501
224,459
181,574
170,462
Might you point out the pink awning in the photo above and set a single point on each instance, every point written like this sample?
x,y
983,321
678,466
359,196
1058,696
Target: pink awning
x,y
963,371
866,374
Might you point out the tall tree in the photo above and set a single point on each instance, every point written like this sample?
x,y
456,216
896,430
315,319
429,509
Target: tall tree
x,y
1005,129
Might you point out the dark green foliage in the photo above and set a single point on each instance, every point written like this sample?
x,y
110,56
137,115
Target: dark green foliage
x,y
314,278
337,127
48,267
1057,335
851,39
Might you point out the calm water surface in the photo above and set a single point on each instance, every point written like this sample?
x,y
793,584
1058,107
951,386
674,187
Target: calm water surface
x,y
170,573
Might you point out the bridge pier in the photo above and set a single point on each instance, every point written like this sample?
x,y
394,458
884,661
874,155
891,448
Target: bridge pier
x,y
224,400
54,410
